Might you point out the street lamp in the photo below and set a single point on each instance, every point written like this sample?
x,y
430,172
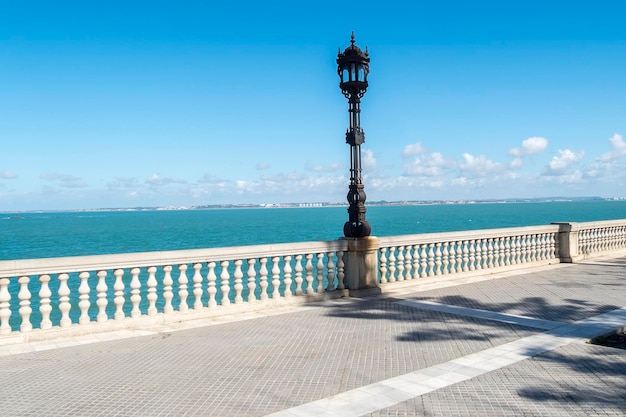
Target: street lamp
x,y
353,69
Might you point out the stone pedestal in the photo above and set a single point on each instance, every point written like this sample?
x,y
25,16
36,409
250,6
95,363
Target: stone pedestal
x,y
568,242
361,265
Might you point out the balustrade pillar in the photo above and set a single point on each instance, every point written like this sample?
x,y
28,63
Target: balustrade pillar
x,y
361,263
568,242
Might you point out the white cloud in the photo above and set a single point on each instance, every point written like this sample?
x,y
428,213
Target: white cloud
x,y
432,165
261,166
530,146
413,149
65,181
564,163
156,181
7,175
618,149
322,168
479,166
516,163
123,183
368,160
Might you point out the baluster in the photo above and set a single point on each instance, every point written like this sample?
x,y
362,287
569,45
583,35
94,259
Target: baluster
x,y
299,279
548,246
64,300
496,252
472,255
400,263
553,247
5,306
275,277
382,262
251,281
490,253
431,259
392,264
416,262
152,291
238,282
408,263
542,247
517,246
211,287
167,289
582,238
320,272
532,248
465,255
452,256
101,302
445,259
511,247
501,251
118,288
523,250
438,262
225,283
263,278
340,271
25,309
424,260
330,267
287,270
309,273
540,256
197,286
44,302
481,254
459,256
505,247
135,297
183,292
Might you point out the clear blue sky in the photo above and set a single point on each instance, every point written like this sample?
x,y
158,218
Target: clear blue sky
x,y
146,103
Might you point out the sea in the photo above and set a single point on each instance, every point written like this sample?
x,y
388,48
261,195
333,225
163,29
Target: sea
x,y
58,234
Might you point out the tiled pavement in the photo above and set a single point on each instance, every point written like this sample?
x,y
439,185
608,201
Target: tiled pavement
x,y
512,346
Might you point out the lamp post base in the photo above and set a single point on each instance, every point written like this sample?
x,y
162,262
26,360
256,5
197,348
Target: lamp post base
x,y
361,263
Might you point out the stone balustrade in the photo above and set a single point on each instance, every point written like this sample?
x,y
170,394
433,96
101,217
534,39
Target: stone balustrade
x,y
46,298
433,255
76,295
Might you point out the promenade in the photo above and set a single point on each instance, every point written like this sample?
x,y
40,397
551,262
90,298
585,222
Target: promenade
x,y
511,345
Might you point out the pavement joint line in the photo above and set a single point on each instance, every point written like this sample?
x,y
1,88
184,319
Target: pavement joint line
x,y
392,391
482,314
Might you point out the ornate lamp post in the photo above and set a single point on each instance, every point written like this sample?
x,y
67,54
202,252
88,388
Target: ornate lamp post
x,y
353,69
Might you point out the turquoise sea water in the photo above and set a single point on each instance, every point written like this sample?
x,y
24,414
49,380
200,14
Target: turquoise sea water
x,y
40,235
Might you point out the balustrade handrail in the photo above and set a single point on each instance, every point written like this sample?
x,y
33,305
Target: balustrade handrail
x,y
464,235
70,264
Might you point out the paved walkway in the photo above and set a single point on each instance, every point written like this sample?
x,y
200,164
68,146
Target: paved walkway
x,y
512,346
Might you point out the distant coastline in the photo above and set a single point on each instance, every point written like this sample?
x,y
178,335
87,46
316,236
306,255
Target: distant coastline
x,y
332,204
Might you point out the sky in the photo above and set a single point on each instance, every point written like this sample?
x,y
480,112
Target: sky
x,y
180,103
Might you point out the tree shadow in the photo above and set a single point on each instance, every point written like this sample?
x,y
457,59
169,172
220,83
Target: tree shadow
x,y
603,368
